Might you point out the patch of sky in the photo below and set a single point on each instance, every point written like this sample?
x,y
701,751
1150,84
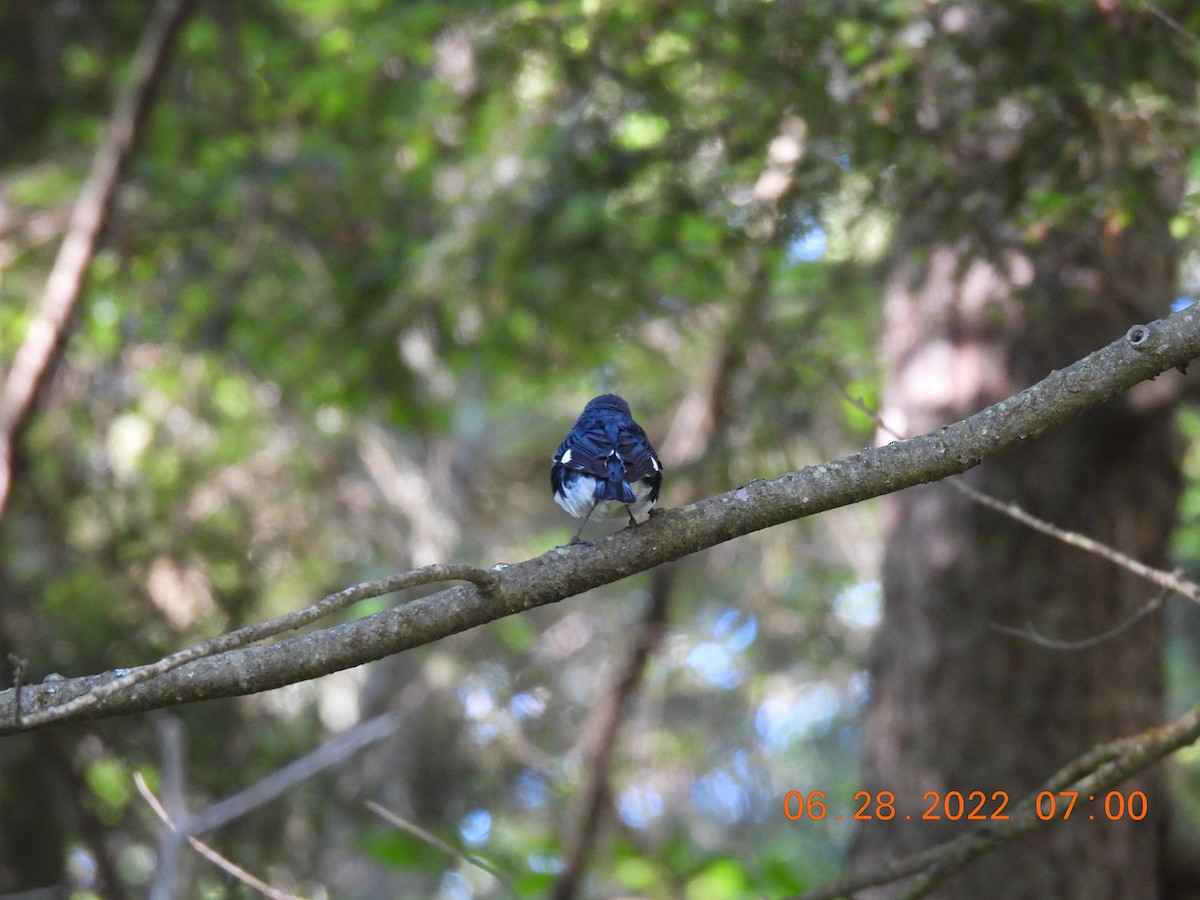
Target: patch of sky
x,y
860,605
526,706
736,630
639,806
476,827
786,717
531,789
715,664
715,661
455,886
478,701
544,863
810,245
82,867
722,797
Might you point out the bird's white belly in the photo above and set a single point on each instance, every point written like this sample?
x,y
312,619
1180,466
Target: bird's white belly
x,y
578,493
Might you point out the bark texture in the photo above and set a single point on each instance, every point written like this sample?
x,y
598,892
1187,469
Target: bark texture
x,y
956,704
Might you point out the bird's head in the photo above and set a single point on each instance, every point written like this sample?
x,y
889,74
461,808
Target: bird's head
x,y
607,403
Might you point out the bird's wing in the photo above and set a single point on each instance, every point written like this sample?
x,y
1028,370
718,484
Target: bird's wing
x,y
586,450
639,457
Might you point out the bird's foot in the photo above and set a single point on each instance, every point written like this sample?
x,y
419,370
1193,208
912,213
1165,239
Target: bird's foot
x,y
575,542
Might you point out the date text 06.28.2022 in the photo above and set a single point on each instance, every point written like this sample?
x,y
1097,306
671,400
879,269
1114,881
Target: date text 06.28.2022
x,y
974,806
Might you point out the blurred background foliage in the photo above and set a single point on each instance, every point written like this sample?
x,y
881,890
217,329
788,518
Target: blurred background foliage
x,y
371,260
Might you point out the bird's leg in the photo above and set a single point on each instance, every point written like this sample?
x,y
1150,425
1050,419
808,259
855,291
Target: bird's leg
x,y
632,520
579,530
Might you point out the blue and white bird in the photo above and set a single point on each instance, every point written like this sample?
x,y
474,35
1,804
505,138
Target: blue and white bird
x,y
606,465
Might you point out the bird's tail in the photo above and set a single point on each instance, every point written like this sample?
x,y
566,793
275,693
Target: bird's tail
x,y
614,486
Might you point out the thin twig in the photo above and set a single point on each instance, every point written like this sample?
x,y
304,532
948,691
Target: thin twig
x,y
43,339
1168,581
1172,582
260,630
171,767
434,841
1030,634
1171,22
604,727
279,782
18,665
183,826
208,852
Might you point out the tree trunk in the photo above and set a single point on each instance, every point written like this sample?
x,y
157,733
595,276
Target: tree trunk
x,y
958,705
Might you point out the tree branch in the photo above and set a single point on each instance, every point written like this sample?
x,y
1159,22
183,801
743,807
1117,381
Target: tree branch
x,y
259,631
1168,581
436,842
43,339
222,862
333,752
1144,352
1028,633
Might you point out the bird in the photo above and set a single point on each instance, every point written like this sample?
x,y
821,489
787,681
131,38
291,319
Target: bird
x,y
606,465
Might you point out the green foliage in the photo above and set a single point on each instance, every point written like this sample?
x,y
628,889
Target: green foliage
x,y
112,786
404,851
369,263
1186,541
721,878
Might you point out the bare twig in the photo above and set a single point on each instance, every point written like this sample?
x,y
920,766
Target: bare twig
x,y
185,827
1099,770
208,852
44,337
279,782
18,666
1168,581
434,841
171,766
1171,22
260,630
1030,634
604,725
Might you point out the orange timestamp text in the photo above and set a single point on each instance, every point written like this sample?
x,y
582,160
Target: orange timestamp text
x,y
974,806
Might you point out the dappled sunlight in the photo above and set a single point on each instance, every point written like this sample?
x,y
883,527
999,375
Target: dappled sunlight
x,y
363,266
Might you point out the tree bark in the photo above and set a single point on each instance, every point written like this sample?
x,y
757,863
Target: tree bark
x,y
956,704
